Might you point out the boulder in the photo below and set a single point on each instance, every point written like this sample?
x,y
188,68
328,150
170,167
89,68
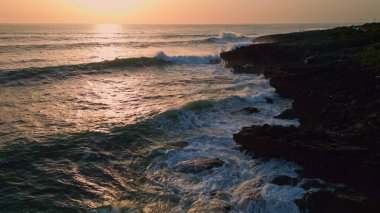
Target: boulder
x,y
198,165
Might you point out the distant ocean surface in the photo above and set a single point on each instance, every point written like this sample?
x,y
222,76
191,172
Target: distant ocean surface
x,y
23,46
98,118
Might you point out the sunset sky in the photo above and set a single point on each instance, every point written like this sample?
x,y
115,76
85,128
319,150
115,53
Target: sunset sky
x,y
188,11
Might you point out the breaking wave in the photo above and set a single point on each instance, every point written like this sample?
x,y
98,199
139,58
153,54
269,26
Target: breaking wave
x,y
16,74
161,59
229,36
191,59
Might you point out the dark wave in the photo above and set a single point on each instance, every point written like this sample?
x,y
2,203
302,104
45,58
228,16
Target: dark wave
x,y
167,36
222,38
186,35
17,74
64,71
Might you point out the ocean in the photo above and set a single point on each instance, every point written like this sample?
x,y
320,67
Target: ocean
x,y
98,118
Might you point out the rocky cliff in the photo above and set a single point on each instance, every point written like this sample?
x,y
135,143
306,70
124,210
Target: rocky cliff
x,y
333,77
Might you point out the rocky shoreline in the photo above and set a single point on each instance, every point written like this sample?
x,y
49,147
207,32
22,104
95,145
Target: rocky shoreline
x,y
333,77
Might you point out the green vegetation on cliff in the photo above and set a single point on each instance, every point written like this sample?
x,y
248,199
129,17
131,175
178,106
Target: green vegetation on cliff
x,y
370,57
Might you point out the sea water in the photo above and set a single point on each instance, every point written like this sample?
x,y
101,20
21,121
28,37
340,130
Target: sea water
x,y
96,118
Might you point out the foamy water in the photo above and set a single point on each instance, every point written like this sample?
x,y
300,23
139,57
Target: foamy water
x,y
96,118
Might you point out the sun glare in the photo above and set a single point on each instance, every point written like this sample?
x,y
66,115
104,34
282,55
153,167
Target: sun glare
x,y
110,29
107,5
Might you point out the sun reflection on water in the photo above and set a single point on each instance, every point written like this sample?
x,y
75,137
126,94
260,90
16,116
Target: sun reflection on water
x,y
109,29
112,33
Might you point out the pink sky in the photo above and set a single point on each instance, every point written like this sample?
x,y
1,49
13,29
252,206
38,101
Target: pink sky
x,y
188,11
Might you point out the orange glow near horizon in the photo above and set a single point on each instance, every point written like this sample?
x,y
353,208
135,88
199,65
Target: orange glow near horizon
x,y
188,11
107,6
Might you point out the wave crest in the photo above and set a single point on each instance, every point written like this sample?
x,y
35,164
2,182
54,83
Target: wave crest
x,y
24,73
198,105
230,37
191,59
160,59
223,38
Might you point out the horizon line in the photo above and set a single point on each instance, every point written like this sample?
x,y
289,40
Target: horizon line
x,y
263,23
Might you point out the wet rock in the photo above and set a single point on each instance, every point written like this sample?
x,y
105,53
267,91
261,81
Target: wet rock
x,y
285,180
317,152
215,61
252,195
198,165
335,98
336,201
287,114
248,191
258,55
251,110
246,69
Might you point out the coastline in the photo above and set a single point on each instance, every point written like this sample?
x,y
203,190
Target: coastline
x,y
130,133
333,77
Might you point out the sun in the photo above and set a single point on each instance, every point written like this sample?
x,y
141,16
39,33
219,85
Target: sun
x,y
107,5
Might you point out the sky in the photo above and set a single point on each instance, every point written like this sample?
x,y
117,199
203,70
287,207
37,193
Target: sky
x,y
189,11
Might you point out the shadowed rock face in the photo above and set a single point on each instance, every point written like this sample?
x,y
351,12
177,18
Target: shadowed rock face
x,y
285,180
319,153
335,201
336,93
198,165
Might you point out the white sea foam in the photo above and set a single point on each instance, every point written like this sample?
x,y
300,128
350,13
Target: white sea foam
x,y
191,59
231,35
242,183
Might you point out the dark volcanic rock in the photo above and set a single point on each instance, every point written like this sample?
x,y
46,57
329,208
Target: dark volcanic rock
x,y
285,180
259,54
244,69
332,77
319,153
215,61
198,165
336,201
